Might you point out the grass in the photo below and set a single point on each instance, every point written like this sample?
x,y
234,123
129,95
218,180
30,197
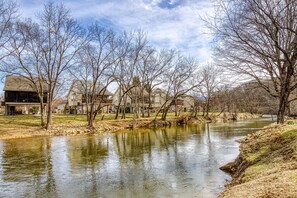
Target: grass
x,y
29,125
24,125
255,156
271,159
31,120
290,134
291,122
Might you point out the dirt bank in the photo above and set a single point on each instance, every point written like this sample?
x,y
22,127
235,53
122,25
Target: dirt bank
x,y
28,126
266,165
21,129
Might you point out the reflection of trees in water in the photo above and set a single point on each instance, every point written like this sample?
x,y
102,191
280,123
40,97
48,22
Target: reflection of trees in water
x,y
29,161
87,151
135,143
23,159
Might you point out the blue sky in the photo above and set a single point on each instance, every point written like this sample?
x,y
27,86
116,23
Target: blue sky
x,y
169,24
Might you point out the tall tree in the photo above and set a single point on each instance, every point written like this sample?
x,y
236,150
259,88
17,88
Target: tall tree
x,y
210,84
96,69
26,59
180,79
62,39
152,66
258,39
131,47
20,51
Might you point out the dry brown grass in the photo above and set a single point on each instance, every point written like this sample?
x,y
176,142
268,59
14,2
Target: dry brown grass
x,y
28,125
21,126
270,156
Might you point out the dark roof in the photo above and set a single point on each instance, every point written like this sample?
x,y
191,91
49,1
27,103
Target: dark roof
x,y
19,83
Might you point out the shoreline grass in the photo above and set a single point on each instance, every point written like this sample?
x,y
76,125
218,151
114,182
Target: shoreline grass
x,y
266,165
19,126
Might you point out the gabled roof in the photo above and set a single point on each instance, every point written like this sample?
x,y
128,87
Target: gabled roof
x,y
19,83
78,86
133,91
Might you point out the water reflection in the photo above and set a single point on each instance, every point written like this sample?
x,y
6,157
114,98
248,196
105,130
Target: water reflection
x,y
179,161
28,164
135,143
86,151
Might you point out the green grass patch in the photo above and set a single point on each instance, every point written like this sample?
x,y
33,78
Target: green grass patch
x,y
291,122
259,167
253,171
290,133
256,155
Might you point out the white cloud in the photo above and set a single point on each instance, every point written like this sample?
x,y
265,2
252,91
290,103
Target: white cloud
x,y
178,27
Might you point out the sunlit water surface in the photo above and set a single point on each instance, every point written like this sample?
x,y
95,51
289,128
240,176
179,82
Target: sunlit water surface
x,y
180,161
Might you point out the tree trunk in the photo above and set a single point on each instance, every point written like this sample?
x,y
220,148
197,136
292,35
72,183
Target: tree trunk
x,y
175,109
164,114
207,108
196,112
150,105
42,121
49,114
124,110
142,103
283,102
91,120
117,112
118,108
91,123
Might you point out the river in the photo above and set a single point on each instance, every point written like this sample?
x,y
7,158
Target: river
x,y
179,161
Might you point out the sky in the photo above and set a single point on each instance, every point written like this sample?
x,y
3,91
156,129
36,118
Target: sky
x,y
169,24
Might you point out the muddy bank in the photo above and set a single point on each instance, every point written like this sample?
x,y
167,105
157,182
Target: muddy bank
x,y
266,165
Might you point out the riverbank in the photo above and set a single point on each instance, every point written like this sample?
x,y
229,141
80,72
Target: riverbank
x,y
266,165
21,126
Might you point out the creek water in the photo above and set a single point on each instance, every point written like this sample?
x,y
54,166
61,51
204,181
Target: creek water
x,y
179,161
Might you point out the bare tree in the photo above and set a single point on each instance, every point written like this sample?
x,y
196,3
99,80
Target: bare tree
x,y
26,59
123,74
180,79
62,38
130,51
211,79
96,69
258,39
151,68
